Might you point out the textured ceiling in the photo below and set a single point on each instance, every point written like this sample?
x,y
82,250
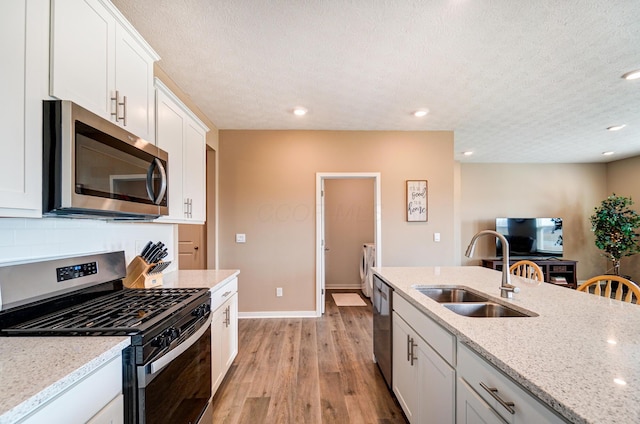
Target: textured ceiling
x,y
517,81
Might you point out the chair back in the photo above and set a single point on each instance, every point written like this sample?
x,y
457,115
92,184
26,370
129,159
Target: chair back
x,y
597,282
527,269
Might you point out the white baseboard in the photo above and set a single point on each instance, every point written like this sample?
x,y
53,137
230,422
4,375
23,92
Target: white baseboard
x,y
278,314
343,287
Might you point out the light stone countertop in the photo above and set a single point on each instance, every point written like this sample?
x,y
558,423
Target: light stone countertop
x,y
34,370
568,356
210,278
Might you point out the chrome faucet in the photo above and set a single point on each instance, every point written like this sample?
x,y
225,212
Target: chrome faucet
x,y
506,288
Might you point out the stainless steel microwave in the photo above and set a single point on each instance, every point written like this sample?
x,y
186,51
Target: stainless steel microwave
x,y
94,168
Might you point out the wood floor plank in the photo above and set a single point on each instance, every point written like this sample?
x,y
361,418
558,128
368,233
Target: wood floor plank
x,y
254,410
334,407
285,375
307,370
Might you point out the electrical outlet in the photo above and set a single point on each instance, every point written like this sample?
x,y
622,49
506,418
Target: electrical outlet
x,y
279,291
241,238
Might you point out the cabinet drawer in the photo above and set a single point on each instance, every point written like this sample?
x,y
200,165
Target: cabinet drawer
x,y
478,372
443,342
223,293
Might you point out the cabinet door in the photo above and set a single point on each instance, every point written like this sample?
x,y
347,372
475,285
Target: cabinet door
x,y
82,54
231,332
436,386
472,409
405,375
170,130
194,184
134,79
218,330
113,413
24,29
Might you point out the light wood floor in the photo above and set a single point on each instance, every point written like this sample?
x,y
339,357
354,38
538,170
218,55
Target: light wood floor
x,y
308,370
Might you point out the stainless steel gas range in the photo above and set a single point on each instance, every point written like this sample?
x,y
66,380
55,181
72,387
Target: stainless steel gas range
x,y
166,371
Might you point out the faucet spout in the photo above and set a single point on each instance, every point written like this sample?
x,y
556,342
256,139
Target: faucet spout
x,y
506,289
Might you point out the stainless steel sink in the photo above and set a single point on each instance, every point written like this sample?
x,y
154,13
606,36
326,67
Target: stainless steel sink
x,y
451,294
485,310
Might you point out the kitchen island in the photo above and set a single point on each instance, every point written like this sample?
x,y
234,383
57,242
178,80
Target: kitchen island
x,y
580,355
37,372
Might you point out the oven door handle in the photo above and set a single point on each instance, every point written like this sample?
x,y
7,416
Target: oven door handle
x,y
165,360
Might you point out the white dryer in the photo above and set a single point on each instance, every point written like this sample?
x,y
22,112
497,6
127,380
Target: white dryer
x,y
368,260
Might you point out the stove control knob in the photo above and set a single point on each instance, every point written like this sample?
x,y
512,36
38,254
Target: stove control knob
x,y
200,311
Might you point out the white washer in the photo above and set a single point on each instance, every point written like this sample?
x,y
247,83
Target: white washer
x,y
367,261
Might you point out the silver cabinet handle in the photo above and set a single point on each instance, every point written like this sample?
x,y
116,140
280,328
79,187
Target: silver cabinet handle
x,y
124,110
408,347
494,393
119,103
227,293
413,357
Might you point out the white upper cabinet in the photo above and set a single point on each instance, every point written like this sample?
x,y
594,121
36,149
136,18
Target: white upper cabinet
x,y
100,62
24,29
181,134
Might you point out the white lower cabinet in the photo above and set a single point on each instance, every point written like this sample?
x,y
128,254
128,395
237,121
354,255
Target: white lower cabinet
x,y
96,399
224,331
472,409
485,393
423,382
113,413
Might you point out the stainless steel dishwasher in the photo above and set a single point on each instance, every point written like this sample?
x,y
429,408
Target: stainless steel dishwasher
x,y
382,337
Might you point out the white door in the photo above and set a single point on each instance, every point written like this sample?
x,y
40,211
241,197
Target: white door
x,y
320,228
323,247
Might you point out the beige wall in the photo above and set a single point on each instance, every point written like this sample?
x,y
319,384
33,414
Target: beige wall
x,y
349,223
267,191
569,191
623,179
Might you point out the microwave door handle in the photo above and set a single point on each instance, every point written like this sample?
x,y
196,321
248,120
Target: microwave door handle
x,y
165,360
163,181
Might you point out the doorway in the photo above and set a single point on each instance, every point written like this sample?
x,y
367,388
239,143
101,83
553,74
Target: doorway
x,y
325,182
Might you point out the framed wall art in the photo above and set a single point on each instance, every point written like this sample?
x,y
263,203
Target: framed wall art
x,y
417,200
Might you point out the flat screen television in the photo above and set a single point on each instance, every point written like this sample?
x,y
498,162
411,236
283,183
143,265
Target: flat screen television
x,y
531,237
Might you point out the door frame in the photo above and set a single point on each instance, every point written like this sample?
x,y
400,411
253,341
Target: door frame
x,y
320,262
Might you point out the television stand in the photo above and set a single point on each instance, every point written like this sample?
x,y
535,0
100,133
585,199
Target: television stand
x,y
550,268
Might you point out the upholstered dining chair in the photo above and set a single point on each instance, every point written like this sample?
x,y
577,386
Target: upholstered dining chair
x,y
527,269
607,280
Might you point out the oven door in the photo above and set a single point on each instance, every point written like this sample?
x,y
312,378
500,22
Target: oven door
x,y
176,387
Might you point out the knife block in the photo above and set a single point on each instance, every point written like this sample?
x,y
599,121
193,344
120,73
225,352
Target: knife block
x,y
138,277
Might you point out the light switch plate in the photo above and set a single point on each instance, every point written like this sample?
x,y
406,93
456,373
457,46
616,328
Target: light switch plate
x,y
436,237
241,238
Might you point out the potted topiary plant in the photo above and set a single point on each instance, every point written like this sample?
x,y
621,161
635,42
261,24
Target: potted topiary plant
x,y
614,225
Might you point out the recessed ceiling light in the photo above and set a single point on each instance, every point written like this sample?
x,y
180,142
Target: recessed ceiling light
x,y
612,342
620,381
607,153
467,153
300,111
616,127
420,113
631,75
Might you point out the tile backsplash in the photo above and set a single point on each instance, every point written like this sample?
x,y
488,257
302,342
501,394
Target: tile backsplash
x,y
27,240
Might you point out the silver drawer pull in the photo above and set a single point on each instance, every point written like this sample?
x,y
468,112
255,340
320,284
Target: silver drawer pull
x,y
225,294
494,393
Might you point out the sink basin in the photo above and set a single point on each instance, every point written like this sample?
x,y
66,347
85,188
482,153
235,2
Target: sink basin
x,y
450,294
485,310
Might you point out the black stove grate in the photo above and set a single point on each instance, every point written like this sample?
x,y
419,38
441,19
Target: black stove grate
x,y
124,312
